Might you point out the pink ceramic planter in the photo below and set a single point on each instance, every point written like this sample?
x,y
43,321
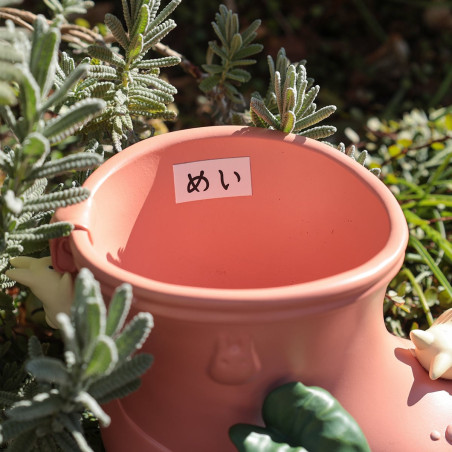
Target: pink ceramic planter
x,y
281,278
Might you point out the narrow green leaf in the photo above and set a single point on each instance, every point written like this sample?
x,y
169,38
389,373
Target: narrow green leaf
x,y
35,144
41,406
44,54
140,25
250,33
103,359
105,54
317,133
134,335
54,200
44,232
117,30
218,50
417,245
288,121
213,68
315,117
430,232
136,47
239,75
208,83
164,13
80,161
49,370
247,51
76,117
235,44
259,108
118,309
127,373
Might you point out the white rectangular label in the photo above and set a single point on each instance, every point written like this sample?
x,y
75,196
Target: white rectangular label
x,y
208,179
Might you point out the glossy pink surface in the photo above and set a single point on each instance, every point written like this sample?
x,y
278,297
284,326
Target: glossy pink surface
x,y
250,292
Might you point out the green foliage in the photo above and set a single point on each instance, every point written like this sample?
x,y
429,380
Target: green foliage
x,y
67,7
289,104
414,154
130,85
26,162
97,368
299,418
234,50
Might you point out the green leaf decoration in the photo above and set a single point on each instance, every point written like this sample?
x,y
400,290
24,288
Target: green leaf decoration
x,y
301,418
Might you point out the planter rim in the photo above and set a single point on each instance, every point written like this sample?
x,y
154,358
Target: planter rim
x,y
380,268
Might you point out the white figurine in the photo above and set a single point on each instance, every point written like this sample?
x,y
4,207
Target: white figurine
x,y
434,347
53,289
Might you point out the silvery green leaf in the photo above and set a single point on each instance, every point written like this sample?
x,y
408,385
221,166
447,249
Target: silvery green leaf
x,y
134,335
59,94
118,309
44,55
164,13
240,75
117,30
15,205
49,370
308,100
140,25
52,201
75,118
122,380
157,34
235,44
44,232
262,111
79,161
103,358
41,405
315,117
250,33
317,133
106,54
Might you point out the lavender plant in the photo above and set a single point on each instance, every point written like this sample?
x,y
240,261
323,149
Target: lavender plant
x,y
28,74
46,415
234,50
289,103
128,83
